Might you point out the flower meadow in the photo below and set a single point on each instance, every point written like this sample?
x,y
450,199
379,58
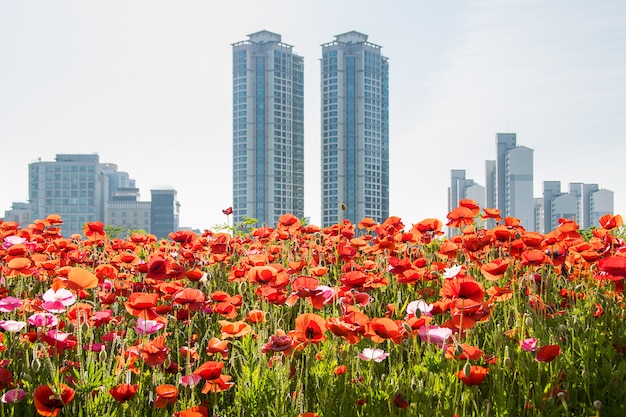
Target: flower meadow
x,y
367,319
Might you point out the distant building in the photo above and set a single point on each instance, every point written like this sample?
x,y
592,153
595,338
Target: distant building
x,y
129,216
81,189
584,203
355,130
600,204
462,188
19,212
164,212
268,129
73,186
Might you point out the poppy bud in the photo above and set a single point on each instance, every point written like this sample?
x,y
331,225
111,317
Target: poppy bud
x,y
458,351
102,355
467,370
342,206
35,365
406,327
26,377
528,321
597,405
507,362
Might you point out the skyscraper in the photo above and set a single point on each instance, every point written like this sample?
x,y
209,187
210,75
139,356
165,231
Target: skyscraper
x,y
355,130
268,129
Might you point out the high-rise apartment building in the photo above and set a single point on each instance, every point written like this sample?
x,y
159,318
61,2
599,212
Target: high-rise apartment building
x,y
355,130
268,129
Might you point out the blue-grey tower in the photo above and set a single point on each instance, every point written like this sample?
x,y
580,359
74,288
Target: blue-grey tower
x,y
268,129
355,130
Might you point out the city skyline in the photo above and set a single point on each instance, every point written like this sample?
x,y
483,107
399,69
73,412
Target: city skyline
x,y
149,87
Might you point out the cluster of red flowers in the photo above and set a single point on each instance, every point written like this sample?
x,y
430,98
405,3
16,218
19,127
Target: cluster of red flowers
x,y
147,283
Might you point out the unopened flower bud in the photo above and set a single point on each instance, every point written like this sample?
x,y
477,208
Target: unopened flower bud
x,y
528,321
467,369
507,362
597,405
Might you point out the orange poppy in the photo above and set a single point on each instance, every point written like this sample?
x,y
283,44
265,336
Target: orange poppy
x,y
470,204
216,345
495,269
141,304
460,216
195,411
166,394
310,328
231,330
94,231
534,257
218,385
341,328
124,392
154,353
81,279
256,316
472,375
463,351
49,401
380,329
191,298
492,213
368,224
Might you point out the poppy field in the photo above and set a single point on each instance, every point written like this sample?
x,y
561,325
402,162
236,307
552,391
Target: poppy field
x,y
366,319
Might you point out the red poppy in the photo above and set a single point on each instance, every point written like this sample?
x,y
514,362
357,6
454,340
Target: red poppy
x,y
227,211
548,353
610,222
465,288
613,265
124,392
400,401
49,401
210,370
472,375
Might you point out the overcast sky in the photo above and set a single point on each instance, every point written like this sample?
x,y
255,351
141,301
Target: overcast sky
x,y
147,85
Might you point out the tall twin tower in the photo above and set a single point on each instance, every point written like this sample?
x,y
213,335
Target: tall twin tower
x,y
268,129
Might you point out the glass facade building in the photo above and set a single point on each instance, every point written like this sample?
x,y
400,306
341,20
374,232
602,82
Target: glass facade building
x,y
355,130
268,129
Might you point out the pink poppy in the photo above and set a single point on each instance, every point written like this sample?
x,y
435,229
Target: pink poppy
x,y
376,355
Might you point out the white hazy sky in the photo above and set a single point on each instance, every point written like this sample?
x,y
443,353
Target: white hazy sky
x,y
147,85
